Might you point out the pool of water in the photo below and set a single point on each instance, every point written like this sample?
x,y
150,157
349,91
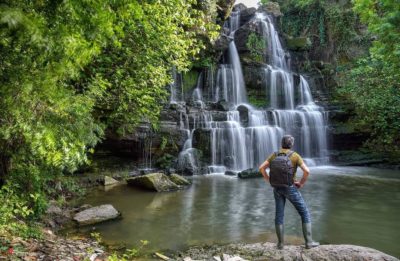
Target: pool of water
x,y
349,205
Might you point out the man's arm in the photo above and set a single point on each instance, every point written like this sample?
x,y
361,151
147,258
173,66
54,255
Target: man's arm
x,y
303,180
263,171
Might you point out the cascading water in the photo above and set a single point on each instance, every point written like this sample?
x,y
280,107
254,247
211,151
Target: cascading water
x,y
247,135
300,117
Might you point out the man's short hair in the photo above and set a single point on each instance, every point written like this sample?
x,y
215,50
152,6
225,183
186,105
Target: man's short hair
x,y
287,142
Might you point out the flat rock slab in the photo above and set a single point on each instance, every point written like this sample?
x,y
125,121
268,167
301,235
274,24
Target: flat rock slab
x,y
268,251
158,182
96,215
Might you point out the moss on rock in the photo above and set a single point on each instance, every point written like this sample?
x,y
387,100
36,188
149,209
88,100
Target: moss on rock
x,y
179,180
298,43
158,182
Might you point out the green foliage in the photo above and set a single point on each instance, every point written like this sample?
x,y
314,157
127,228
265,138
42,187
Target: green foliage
x,y
383,20
324,20
189,80
256,44
304,18
373,84
164,142
128,254
71,69
257,102
165,161
13,210
96,236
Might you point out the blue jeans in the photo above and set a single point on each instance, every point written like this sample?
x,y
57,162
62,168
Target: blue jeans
x,y
293,195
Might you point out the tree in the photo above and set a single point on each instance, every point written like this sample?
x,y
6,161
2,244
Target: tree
x,y
374,82
70,69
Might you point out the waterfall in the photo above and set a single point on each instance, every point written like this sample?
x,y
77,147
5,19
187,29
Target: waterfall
x,y
230,82
246,136
302,118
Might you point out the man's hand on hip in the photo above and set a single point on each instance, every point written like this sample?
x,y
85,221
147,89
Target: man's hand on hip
x,y
298,184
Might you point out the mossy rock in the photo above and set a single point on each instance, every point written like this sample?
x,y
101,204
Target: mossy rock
x,y
179,180
189,80
298,43
272,8
158,182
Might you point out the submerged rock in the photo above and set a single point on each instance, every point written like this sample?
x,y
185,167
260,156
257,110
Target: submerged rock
x,y
158,182
230,173
249,173
96,214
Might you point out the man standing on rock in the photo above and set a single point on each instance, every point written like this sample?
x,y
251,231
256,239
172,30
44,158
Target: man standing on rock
x,y
283,166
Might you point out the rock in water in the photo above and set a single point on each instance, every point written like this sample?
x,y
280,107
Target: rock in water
x,y
249,173
155,181
96,214
230,173
109,181
179,180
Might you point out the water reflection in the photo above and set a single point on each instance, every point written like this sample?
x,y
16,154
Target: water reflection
x,y
348,206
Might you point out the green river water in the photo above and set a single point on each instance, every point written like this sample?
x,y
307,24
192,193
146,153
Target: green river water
x,y
349,205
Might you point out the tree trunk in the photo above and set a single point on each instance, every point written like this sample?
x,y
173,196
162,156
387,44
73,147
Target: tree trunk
x,y
4,168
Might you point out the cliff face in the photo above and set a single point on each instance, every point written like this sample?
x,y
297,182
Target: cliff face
x,y
319,60
323,39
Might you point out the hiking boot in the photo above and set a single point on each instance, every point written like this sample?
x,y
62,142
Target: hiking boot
x,y
307,236
279,234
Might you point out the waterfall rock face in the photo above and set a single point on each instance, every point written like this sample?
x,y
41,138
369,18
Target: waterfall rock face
x,y
230,134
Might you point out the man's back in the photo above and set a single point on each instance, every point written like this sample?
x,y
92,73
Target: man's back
x,y
295,158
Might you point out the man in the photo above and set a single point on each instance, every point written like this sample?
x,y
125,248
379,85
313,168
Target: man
x,y
290,192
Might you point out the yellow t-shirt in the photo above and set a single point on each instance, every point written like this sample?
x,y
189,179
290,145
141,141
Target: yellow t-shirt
x,y
295,158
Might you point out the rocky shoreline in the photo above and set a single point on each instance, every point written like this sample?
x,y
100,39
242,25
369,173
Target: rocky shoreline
x,y
268,251
55,247
52,247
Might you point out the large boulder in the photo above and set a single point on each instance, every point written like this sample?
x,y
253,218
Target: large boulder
x,y
268,251
239,7
242,35
96,215
222,42
108,181
179,180
249,173
158,182
243,114
202,142
220,106
246,15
